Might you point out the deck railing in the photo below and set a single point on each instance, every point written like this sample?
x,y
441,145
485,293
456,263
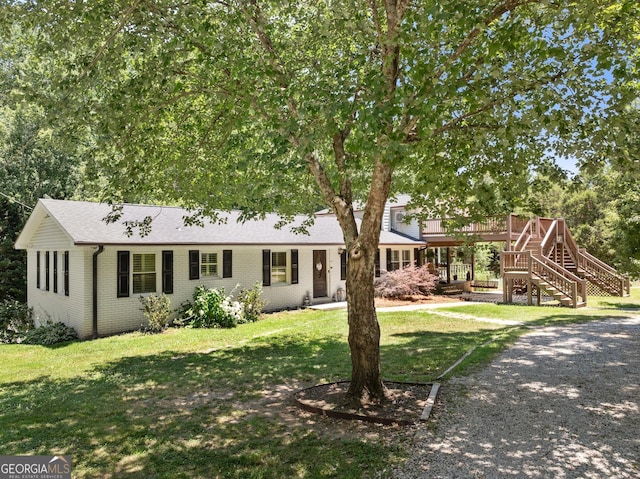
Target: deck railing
x,y
458,271
604,275
498,225
514,261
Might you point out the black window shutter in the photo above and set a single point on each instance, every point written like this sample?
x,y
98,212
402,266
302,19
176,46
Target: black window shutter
x,y
66,273
416,257
378,264
167,272
388,259
266,267
194,264
343,265
55,271
294,266
47,279
227,263
123,274
38,269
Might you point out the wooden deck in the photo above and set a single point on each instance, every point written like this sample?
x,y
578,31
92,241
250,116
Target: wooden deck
x,y
507,229
539,254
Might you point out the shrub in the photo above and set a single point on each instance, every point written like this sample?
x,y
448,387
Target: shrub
x,y
157,310
406,282
211,309
16,319
50,333
252,302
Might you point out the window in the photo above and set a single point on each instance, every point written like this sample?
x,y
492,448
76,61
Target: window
x,y
278,267
395,260
398,259
55,271
144,273
406,258
209,264
66,273
275,267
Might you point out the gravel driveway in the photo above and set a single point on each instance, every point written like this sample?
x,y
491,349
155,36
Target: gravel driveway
x,y
563,402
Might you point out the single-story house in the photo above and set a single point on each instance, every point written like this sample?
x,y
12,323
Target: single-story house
x,y
89,274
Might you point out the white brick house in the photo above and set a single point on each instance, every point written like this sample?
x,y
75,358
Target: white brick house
x,y
90,274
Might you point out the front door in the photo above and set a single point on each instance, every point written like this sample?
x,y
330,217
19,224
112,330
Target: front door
x,y
319,273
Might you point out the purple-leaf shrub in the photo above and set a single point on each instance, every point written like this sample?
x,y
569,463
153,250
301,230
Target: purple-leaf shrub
x,y
409,281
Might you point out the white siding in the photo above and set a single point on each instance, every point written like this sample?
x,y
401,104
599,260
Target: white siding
x,y
386,217
50,237
116,315
47,305
123,314
411,229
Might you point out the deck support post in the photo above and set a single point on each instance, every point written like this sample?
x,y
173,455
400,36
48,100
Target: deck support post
x,y
473,263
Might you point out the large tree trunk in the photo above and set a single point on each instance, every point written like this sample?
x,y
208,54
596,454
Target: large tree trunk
x,y
364,330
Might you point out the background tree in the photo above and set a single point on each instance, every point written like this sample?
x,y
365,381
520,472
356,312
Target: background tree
x,y
276,106
37,158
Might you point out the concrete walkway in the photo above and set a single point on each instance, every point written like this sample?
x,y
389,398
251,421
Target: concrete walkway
x,y
408,307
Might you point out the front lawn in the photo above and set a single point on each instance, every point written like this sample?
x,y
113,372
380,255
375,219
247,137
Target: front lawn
x,y
217,403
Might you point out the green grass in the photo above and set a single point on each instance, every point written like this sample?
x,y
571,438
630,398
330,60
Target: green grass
x,y
186,403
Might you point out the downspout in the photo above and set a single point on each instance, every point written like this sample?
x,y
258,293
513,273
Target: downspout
x,y
95,290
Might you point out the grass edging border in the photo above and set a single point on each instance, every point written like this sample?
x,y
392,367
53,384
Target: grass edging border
x,y
360,417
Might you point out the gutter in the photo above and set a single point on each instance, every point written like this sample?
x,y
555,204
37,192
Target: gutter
x,y
95,290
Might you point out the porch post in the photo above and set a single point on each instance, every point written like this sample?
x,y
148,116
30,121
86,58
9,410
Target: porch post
x,y
473,263
448,264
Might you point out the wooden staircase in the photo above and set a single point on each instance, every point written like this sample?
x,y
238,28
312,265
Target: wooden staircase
x,y
546,258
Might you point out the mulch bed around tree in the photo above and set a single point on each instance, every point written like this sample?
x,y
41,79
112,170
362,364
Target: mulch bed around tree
x,y
406,400
405,405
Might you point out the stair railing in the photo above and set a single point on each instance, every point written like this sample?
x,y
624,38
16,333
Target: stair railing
x,y
550,239
564,281
571,244
525,236
607,278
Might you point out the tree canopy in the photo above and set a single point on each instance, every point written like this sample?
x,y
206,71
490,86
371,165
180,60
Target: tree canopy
x,y
284,106
214,97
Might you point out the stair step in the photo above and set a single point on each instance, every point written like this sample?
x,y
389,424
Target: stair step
x,y
566,301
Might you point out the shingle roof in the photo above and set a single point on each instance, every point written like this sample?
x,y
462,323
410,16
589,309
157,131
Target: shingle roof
x,y
84,223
